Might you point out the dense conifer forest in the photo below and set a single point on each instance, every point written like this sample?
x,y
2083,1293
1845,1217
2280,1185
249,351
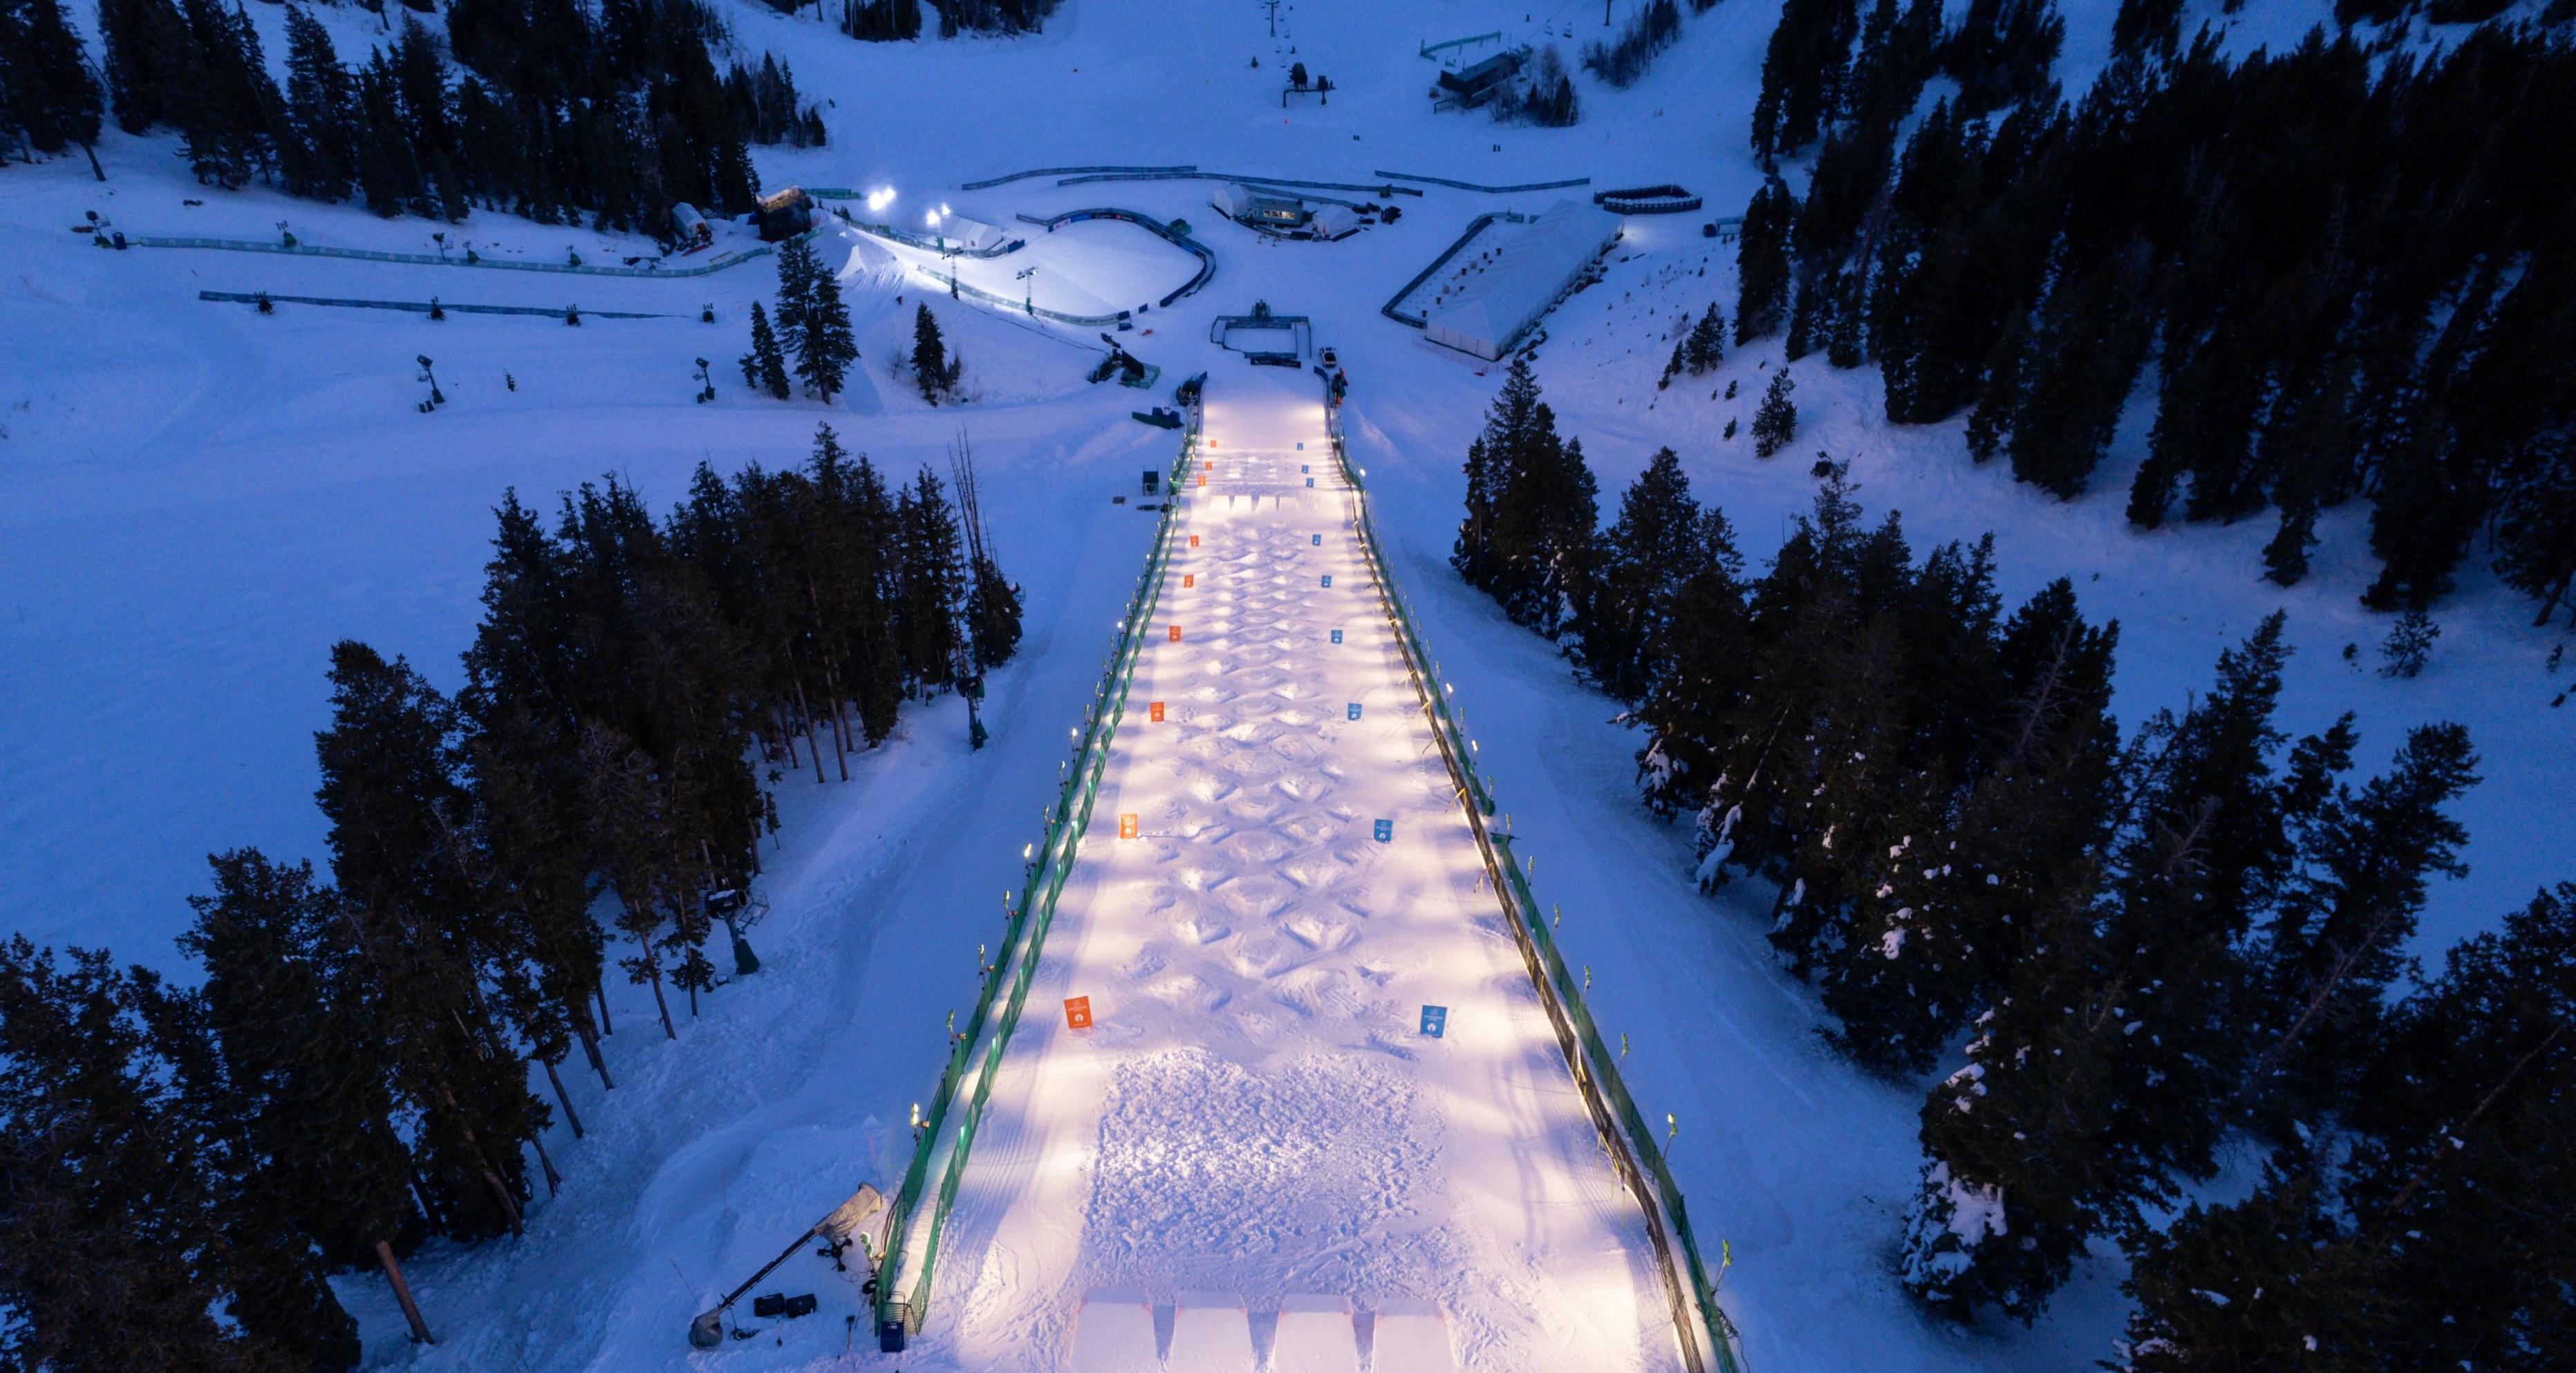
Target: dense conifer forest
x,y
2129,952
2344,268
356,1075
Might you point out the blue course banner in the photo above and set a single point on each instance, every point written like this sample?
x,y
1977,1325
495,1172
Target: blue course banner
x,y
1435,1021
1301,466
1328,579
1386,831
1337,636
1316,539
1355,710
1310,481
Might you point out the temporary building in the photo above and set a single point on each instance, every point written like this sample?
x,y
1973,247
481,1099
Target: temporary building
x,y
689,226
1496,297
1334,221
1244,205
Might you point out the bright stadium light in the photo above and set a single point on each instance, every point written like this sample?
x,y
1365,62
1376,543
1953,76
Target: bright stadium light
x,y
880,198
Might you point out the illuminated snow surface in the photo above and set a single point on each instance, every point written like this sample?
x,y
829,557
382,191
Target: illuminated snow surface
x,y
196,501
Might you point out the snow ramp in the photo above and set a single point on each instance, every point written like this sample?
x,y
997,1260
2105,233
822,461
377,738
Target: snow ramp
x,y
1316,1108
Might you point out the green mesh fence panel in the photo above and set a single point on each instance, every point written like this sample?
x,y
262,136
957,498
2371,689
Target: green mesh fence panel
x,y
1595,1067
1067,819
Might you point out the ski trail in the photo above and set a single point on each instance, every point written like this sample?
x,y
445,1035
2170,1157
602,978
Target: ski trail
x,y
1255,1117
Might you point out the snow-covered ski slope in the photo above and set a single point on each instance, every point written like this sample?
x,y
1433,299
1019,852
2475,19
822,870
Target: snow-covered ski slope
x,y
1255,1116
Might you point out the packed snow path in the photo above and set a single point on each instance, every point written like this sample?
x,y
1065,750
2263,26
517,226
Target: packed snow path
x,y
1255,1121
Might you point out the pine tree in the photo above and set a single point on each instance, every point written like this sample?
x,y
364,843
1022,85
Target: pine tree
x,y
396,808
812,320
1544,539
2409,644
2147,28
2088,340
1803,71
2461,1168
1508,424
933,369
296,1077
147,59
2278,1283
1762,262
226,106
318,151
2028,835
1661,540
1775,422
992,600
1705,347
933,580
2335,937
2002,52
48,99
2022,1162
111,1205
2203,850
661,883
881,21
765,366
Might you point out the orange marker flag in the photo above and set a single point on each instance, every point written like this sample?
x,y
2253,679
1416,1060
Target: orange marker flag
x,y
1127,825
1155,710
1176,634
1189,579
1077,1013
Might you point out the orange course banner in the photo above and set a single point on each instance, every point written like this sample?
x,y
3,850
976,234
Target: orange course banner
x,y
1077,1013
1194,541
1189,579
1156,710
1127,825
1176,634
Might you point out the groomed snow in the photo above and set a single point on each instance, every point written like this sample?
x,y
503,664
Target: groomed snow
x,y
195,501
1254,1112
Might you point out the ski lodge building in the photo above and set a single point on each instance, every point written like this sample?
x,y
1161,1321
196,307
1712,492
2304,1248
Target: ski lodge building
x,y
1285,216
1493,300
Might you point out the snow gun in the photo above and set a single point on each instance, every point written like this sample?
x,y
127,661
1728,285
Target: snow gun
x,y
837,1230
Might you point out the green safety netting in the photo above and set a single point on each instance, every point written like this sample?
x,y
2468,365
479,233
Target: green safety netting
x,y
1066,820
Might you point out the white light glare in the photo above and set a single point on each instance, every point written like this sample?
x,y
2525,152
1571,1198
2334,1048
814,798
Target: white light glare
x,y
880,198
931,219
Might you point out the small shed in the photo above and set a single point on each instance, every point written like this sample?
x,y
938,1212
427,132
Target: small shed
x,y
784,215
690,227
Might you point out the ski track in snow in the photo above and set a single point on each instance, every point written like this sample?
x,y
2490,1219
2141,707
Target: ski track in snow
x,y
197,501
1255,1111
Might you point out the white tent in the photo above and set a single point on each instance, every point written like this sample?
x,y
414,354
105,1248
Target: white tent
x,y
1493,299
1335,221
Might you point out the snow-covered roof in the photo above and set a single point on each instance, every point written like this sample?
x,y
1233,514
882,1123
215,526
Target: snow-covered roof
x,y
1492,299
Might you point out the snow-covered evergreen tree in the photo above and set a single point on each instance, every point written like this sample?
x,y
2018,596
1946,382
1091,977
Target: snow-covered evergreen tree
x,y
1775,421
765,366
